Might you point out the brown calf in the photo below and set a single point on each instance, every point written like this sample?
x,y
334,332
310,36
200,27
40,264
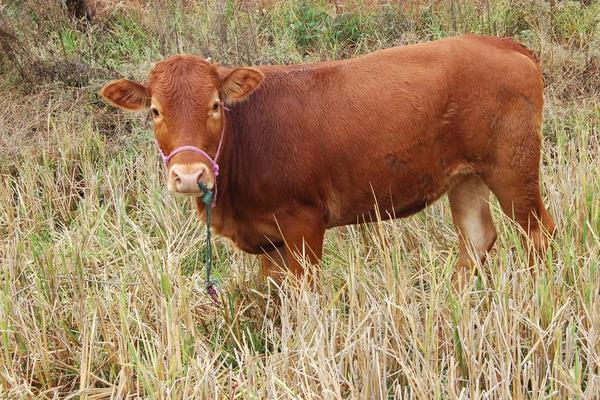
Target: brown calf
x,y
310,147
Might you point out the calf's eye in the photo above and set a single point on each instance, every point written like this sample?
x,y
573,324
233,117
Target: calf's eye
x,y
216,106
154,111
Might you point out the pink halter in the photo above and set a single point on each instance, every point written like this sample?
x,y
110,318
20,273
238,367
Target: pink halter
x,y
213,161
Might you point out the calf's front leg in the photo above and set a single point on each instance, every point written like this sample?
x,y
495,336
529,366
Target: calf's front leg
x,y
273,264
303,245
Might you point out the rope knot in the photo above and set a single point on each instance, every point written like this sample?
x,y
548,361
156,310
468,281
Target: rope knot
x,y
207,200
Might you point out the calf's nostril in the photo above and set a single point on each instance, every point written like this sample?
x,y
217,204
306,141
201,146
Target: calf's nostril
x,y
199,175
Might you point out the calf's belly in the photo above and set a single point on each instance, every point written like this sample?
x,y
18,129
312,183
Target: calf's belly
x,y
395,195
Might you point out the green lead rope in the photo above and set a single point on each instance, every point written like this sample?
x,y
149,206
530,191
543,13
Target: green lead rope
x,y
207,199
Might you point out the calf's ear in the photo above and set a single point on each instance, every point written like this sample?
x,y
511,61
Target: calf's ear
x,y
126,94
239,84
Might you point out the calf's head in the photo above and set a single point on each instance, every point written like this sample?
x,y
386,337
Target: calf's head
x,y
185,96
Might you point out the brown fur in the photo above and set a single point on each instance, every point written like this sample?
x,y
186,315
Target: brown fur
x,y
319,145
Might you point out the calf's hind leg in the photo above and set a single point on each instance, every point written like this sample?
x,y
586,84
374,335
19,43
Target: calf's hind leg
x,y
514,175
518,192
469,203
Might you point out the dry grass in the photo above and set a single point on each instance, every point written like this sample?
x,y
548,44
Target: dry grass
x,y
101,292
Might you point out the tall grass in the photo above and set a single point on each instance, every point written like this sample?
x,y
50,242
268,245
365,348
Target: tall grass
x,y
101,292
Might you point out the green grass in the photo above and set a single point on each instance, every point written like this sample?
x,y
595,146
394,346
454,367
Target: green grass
x,y
101,278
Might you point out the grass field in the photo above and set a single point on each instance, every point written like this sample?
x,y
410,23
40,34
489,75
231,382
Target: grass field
x,y
101,279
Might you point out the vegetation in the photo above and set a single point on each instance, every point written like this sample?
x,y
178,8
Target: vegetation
x,y
101,291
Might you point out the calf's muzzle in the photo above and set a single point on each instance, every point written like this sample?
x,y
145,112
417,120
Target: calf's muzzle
x,y
184,178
